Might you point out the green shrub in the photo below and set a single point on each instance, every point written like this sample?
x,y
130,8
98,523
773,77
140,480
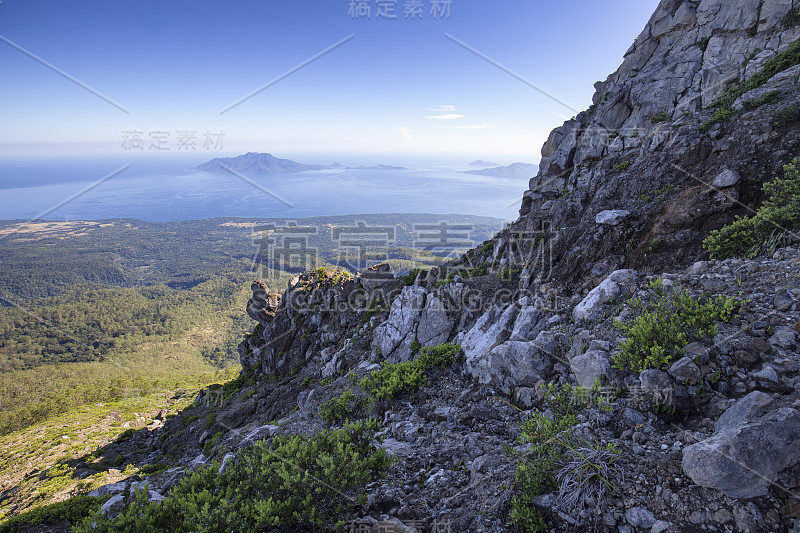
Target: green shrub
x,y
772,97
656,336
294,482
347,407
791,19
394,379
554,455
73,510
622,166
784,116
411,277
779,214
661,117
703,43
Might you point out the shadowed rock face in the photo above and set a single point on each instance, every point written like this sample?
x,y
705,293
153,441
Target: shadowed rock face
x,y
641,147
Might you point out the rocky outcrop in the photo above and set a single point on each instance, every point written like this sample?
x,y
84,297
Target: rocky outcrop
x,y
647,147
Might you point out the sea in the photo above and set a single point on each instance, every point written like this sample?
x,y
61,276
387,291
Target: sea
x,y
64,188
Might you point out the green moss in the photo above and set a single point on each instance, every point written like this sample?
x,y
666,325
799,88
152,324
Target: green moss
x,y
411,277
792,18
771,97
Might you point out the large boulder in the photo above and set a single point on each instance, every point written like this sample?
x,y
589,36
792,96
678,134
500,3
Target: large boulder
x,y
743,458
510,365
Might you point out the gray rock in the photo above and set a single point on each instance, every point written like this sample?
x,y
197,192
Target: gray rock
x,y
685,372
657,385
524,397
229,457
783,302
490,330
726,178
115,503
659,526
590,366
640,517
785,337
529,322
111,488
547,342
744,460
611,217
154,496
509,365
401,324
752,406
700,267
589,308
696,352
767,374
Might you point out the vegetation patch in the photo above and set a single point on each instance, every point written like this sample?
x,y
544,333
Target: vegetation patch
x,y
556,460
667,323
293,482
724,104
411,277
772,97
661,117
73,510
394,379
774,223
622,166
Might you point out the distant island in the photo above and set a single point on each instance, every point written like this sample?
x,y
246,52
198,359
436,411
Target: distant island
x,y
516,170
377,167
482,163
256,163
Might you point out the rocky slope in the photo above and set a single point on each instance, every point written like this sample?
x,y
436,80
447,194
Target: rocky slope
x,y
706,438
646,147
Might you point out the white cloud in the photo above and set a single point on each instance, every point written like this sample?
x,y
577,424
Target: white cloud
x,y
406,134
444,109
476,126
447,116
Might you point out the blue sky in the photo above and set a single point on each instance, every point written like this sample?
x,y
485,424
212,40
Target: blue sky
x,y
397,86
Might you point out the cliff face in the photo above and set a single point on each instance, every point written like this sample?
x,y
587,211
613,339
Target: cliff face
x,y
650,145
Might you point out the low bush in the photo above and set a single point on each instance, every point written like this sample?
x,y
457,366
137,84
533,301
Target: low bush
x,y
663,326
394,379
294,482
778,215
74,510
